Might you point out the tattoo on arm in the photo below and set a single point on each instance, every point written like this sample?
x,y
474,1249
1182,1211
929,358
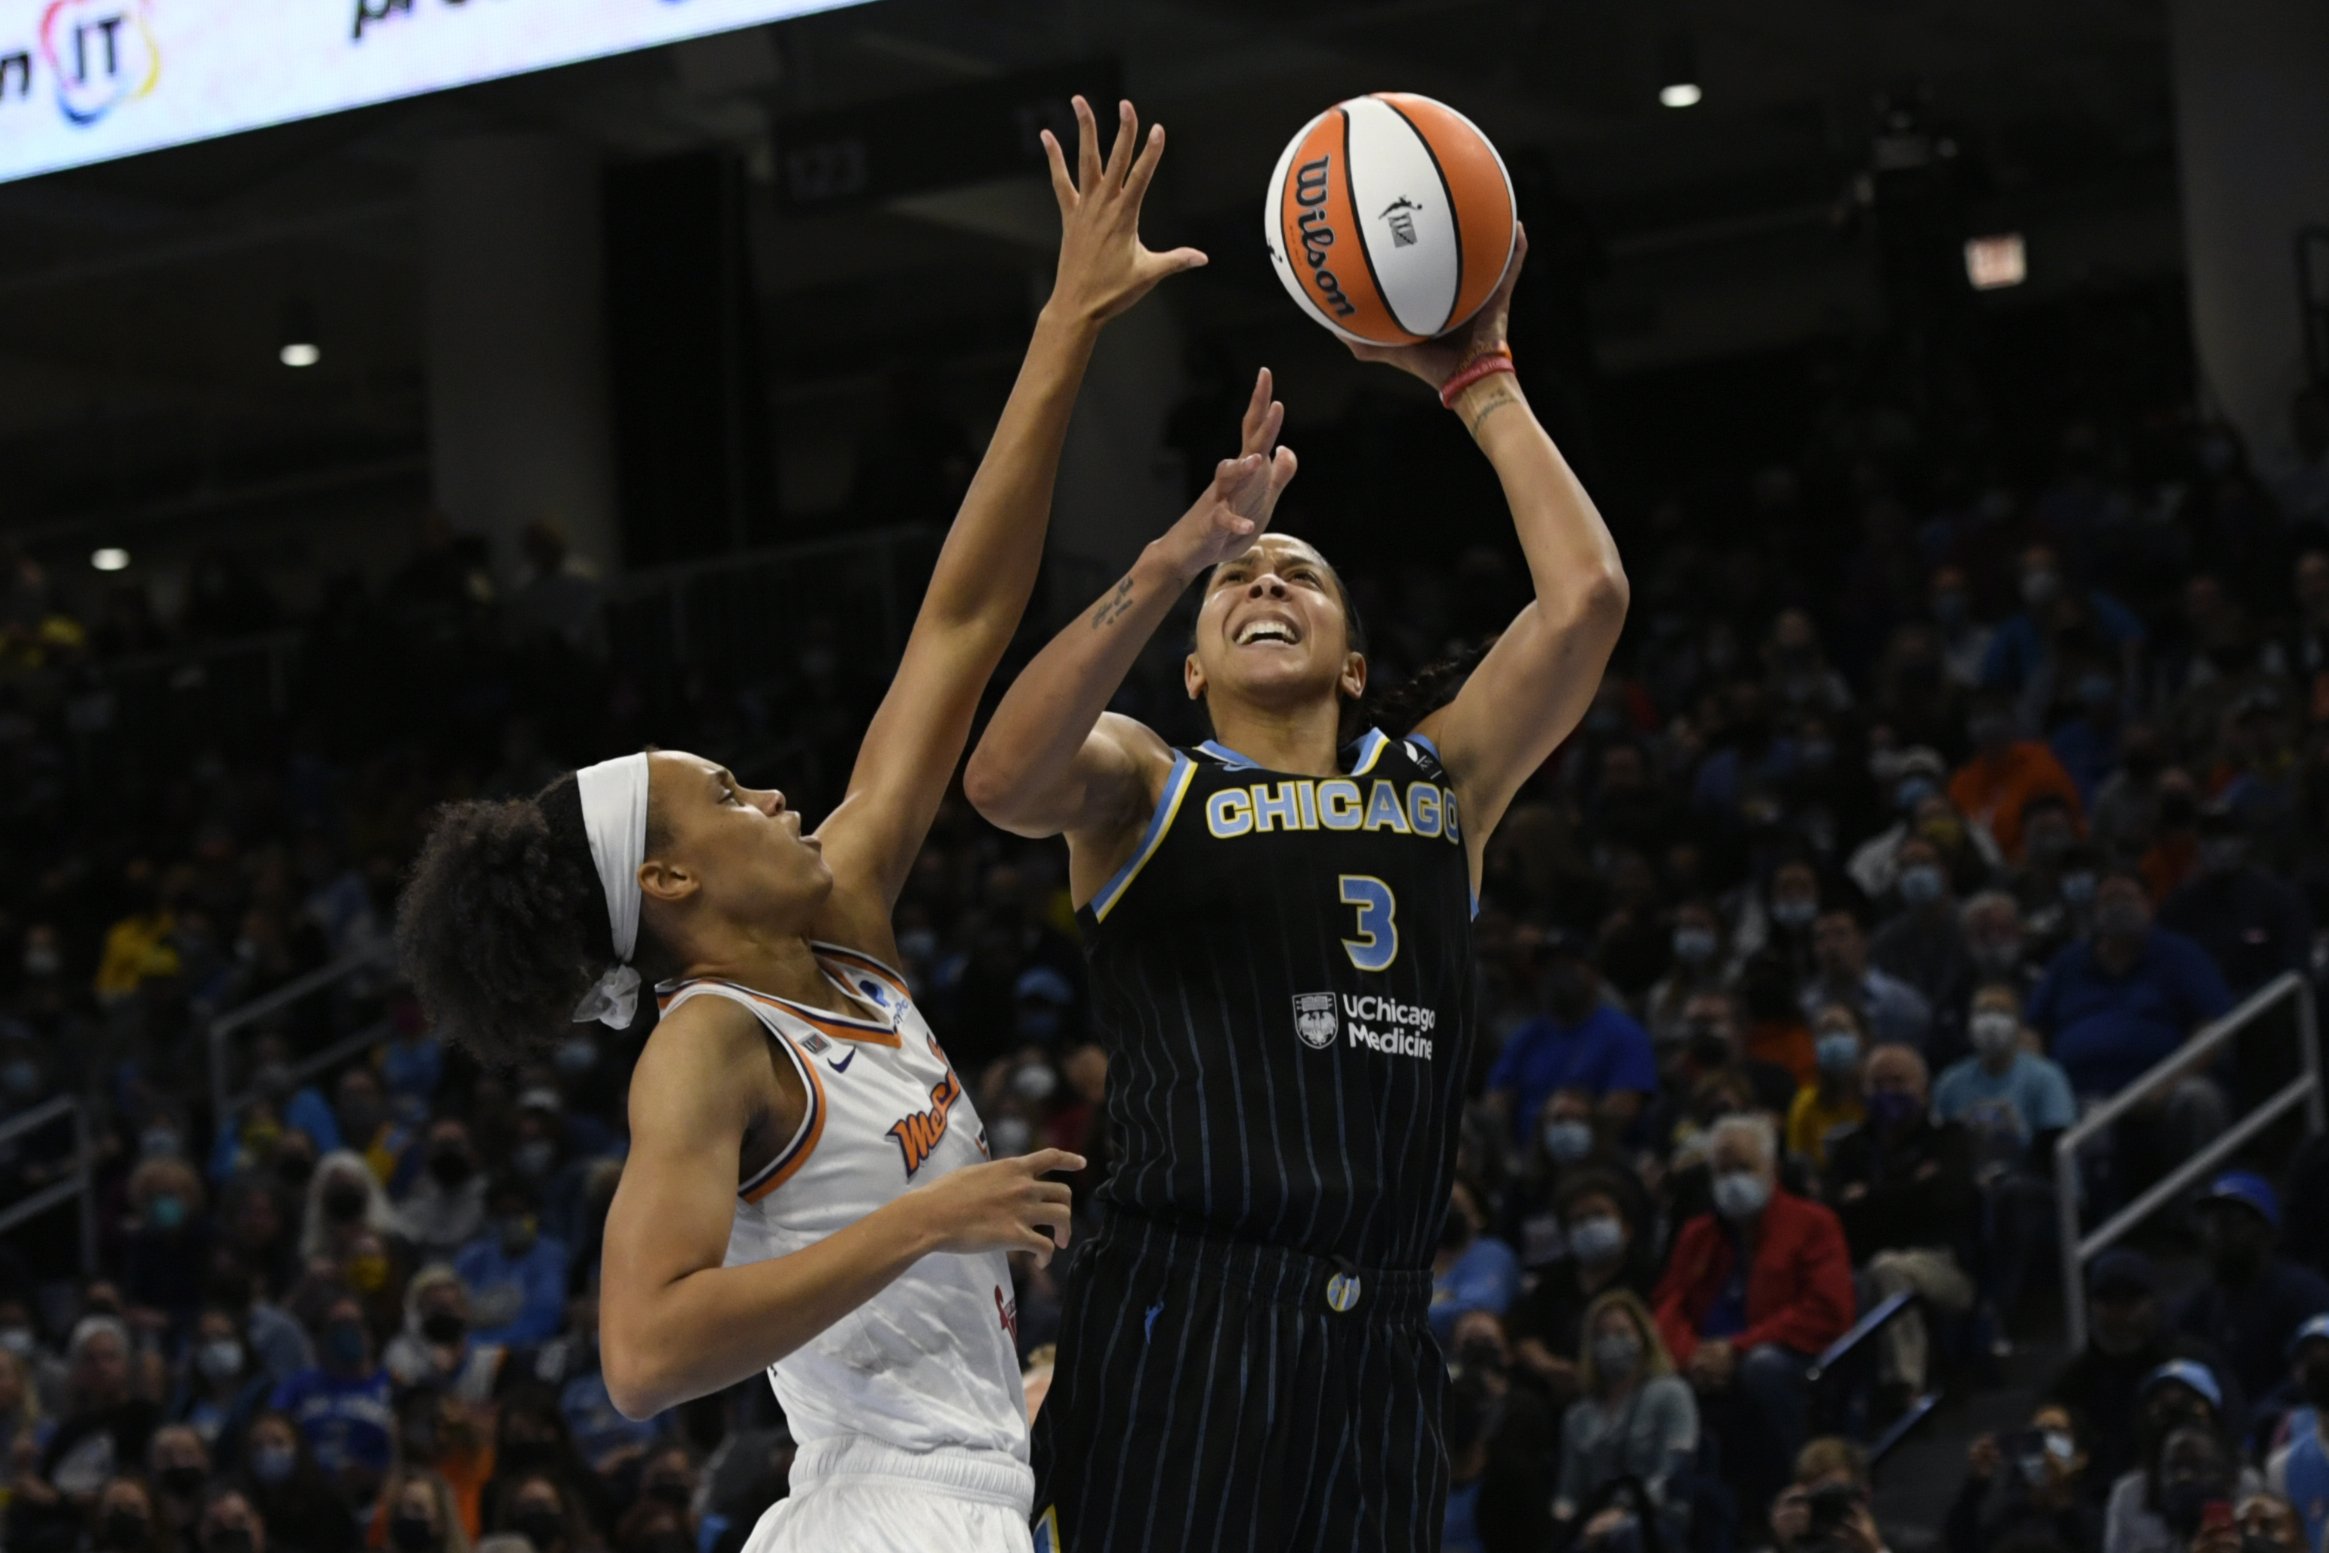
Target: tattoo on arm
x,y
1114,607
1494,402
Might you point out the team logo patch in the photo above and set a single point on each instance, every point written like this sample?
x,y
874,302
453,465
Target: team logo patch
x,y
1342,1292
814,1044
1047,1531
1314,1019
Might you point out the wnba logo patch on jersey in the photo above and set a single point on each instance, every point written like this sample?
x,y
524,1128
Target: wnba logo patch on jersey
x,y
1314,1019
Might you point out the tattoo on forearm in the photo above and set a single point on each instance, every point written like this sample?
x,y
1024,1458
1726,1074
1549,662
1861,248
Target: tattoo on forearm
x,y
1115,606
1494,402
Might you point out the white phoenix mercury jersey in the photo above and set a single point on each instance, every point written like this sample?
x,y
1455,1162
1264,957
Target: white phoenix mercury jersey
x,y
929,1366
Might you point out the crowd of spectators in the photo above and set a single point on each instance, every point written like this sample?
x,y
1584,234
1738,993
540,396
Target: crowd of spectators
x,y
1918,810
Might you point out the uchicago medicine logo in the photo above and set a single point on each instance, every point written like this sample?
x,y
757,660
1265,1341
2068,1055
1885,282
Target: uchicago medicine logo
x,y
102,54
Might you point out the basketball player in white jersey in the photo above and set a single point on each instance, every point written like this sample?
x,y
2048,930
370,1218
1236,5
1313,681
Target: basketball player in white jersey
x,y
807,1190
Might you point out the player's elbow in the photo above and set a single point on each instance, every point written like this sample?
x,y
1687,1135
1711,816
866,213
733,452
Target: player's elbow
x,y
635,1381
997,787
1605,595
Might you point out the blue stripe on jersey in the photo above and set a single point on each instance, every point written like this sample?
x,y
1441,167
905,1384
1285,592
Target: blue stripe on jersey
x,y
1429,748
1371,745
1176,788
1229,757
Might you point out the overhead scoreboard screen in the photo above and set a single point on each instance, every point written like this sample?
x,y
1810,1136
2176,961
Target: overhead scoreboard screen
x,y
89,80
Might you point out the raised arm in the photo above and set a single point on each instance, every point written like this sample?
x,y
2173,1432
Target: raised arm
x,y
1535,683
1053,759
675,1322
988,565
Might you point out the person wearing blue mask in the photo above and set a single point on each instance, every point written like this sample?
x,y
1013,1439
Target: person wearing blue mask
x,y
1832,1103
1924,943
1581,1041
342,1405
1891,1009
1598,1210
1903,1186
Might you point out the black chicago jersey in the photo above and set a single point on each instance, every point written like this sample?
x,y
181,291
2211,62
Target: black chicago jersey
x,y
1282,977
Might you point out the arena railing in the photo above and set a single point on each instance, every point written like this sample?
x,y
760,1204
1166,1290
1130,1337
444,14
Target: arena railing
x,y
225,1101
80,1185
2304,1090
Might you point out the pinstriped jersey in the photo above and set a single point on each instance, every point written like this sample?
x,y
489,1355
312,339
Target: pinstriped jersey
x,y
931,1362
1282,976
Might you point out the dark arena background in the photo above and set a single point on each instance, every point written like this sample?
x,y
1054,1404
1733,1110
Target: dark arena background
x,y
1953,374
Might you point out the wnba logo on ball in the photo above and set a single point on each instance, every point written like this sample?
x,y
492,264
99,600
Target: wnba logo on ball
x,y
102,53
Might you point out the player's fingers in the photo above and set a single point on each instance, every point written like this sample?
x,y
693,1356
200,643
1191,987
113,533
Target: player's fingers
x,y
1040,1246
1283,468
1056,1194
1120,153
1144,165
1179,259
1257,403
1087,147
1044,1161
1062,186
1054,1222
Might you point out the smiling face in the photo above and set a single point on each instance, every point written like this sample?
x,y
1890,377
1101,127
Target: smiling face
x,y
1273,630
722,851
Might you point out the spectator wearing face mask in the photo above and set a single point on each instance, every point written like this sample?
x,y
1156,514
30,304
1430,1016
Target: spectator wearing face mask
x,y
1696,967
2020,651
438,1348
2004,773
2113,1007
516,1275
1471,1270
169,1240
344,1200
445,1208
2013,1104
2258,1299
1997,940
277,1345
1715,1044
2087,743
1893,1012
361,1109
2127,1340
1902,1185
2299,1470
282,1482
1752,1292
417,1514
2253,926
1924,943
1777,920
1547,1322
2025,1484
541,1509
1914,778
2049,836
125,1521
221,1387
1570,1144
342,1405
2157,1507
106,1424
1964,636
1833,1102
1635,1425
1581,1041
178,1467
670,1476
607,1440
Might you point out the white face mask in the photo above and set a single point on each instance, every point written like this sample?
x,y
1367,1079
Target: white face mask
x,y
1740,1194
1995,1032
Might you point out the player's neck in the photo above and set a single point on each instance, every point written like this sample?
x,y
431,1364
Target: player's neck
x,y
1304,739
779,964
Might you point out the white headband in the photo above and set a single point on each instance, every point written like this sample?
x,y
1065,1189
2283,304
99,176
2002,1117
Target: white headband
x,y
614,817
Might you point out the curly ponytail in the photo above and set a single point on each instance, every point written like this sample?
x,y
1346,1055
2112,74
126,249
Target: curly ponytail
x,y
503,924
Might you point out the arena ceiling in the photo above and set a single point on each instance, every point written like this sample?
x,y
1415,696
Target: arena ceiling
x,y
144,300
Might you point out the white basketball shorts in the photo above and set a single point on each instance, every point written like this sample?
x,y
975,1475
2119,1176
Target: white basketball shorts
x,y
863,1498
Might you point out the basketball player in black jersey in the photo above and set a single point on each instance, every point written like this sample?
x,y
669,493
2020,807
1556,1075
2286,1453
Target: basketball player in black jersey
x,y
1279,928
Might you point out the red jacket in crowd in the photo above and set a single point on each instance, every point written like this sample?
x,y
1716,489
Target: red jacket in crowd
x,y
1799,1292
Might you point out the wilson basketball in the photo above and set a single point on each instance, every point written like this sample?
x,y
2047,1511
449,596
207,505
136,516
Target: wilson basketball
x,y
1390,218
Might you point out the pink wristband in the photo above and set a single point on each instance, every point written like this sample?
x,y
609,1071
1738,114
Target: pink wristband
x,y
1485,367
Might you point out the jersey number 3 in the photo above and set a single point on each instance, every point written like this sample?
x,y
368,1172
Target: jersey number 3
x,y
1378,942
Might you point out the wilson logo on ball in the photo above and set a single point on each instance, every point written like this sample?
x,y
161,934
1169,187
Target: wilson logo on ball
x,y
1441,234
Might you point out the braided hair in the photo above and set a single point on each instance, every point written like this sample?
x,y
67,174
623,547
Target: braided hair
x,y
503,924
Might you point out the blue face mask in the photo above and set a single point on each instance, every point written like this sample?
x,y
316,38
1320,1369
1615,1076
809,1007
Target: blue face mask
x,y
1794,912
273,1463
166,1212
1694,945
1568,1141
1921,884
1837,1052
2078,889
1888,1109
1596,1240
1911,792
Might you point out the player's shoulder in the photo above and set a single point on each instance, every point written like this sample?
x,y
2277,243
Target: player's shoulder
x,y
702,1033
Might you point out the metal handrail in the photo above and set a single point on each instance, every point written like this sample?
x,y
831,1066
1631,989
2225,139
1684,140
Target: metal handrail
x,y
2169,1070
225,1025
82,1184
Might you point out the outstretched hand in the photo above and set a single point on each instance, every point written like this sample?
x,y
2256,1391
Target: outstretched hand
x,y
1435,361
1236,508
1103,266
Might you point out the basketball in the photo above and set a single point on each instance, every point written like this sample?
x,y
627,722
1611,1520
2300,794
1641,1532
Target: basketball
x,y
1389,218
